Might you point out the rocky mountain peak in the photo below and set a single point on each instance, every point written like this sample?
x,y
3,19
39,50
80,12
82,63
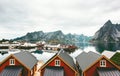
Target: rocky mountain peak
x,y
108,32
59,32
108,25
108,22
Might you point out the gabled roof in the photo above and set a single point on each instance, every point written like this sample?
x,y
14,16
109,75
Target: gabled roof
x,y
116,58
2,57
26,58
89,62
86,59
108,54
66,58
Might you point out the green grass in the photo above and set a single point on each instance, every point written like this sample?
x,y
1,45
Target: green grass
x,y
116,58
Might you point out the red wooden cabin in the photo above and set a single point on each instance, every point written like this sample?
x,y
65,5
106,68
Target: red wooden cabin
x,y
92,64
60,64
19,64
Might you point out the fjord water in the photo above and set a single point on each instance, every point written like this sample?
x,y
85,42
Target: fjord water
x,y
96,47
99,47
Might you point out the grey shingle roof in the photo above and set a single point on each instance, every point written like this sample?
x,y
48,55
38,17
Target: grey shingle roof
x,y
67,58
26,58
86,59
11,71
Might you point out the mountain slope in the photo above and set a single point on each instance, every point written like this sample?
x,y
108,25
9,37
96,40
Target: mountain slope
x,y
108,33
53,37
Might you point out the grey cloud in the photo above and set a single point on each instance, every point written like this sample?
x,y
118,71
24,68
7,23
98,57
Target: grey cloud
x,y
32,15
12,11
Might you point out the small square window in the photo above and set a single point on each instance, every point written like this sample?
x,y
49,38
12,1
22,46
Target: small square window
x,y
103,63
57,62
12,62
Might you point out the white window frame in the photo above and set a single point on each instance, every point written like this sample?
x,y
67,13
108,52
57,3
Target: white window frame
x,y
12,62
57,62
103,63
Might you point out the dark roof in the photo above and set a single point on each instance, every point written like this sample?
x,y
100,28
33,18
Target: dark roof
x,y
116,58
86,59
26,58
54,71
108,72
67,58
11,71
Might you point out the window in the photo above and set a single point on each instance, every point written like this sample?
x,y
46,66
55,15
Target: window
x,y
57,62
12,61
103,63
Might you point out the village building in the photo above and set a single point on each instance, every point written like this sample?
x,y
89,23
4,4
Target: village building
x,y
18,64
93,64
61,64
52,47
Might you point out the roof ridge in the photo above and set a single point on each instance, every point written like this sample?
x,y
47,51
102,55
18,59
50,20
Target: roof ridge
x,y
83,52
60,51
91,52
32,55
19,52
25,52
23,56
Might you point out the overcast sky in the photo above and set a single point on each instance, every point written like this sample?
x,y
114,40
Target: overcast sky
x,y
17,17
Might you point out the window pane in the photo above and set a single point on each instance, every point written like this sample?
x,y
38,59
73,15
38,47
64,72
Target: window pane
x,y
103,63
12,62
57,62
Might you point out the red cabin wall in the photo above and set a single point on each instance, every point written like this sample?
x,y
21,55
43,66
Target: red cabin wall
x,y
93,72
6,63
67,70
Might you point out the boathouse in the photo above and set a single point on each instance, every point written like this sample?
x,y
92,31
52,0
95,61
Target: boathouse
x,y
60,64
18,64
93,64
